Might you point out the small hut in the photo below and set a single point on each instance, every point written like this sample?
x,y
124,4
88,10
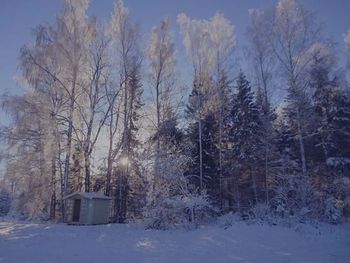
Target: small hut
x,y
87,208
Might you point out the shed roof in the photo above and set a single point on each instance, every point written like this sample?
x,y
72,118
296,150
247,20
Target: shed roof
x,y
91,195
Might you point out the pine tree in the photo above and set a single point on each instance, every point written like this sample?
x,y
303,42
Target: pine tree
x,y
136,181
245,136
285,170
332,141
130,184
269,151
331,107
325,90
341,126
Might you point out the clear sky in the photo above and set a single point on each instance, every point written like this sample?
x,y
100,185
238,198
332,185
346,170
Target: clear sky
x,y
19,17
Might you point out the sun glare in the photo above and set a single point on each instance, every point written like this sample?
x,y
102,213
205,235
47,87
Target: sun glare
x,y
124,161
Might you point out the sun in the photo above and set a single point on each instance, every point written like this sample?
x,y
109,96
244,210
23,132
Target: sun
x,y
124,161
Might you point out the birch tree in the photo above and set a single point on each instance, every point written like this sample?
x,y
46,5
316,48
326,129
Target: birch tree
x,y
33,153
347,45
166,101
66,50
72,36
195,39
94,110
161,56
292,33
128,60
223,41
262,59
209,46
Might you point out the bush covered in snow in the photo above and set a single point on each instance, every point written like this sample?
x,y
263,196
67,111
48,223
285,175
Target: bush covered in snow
x,y
332,213
180,211
169,213
5,203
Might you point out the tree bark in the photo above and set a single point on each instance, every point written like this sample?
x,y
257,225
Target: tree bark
x,y
301,144
200,143
69,133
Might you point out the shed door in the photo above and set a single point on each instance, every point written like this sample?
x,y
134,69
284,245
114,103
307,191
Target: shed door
x,y
76,210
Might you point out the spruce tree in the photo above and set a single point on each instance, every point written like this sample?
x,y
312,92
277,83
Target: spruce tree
x,y
209,148
245,137
331,106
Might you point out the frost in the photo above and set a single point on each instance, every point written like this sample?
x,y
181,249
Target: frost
x,y
208,43
338,161
347,44
118,21
347,40
332,213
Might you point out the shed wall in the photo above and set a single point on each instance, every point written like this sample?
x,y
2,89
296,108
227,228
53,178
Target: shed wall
x,y
92,211
68,217
100,211
84,217
84,211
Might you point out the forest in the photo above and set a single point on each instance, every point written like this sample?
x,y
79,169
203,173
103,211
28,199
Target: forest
x,y
105,109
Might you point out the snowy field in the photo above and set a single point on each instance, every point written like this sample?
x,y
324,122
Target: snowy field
x,y
28,242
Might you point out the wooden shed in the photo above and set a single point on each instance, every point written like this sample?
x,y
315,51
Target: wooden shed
x,y
87,208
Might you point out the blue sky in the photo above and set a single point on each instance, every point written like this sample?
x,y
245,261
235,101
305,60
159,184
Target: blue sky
x,y
19,17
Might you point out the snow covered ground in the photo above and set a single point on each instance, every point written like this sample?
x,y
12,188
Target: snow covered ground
x,y
28,242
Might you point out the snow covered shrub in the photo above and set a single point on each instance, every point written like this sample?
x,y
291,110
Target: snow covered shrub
x,y
293,197
305,201
198,207
35,208
333,182
228,219
172,201
169,213
165,204
179,211
282,191
332,213
341,194
259,212
5,203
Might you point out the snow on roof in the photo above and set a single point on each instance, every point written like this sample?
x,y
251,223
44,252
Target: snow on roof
x,y
91,195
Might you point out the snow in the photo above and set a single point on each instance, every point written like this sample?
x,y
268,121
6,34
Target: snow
x,y
91,195
347,39
337,161
29,242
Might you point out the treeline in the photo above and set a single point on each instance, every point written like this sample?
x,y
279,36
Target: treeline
x,y
101,112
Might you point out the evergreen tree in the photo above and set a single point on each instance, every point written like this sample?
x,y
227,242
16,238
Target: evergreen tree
x,y
130,186
269,150
326,91
222,113
245,136
209,148
331,107
136,181
341,126
300,118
